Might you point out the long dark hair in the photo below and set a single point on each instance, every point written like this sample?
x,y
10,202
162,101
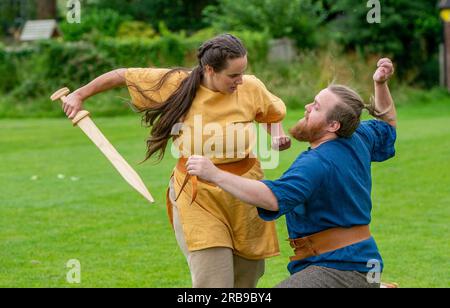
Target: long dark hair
x,y
163,116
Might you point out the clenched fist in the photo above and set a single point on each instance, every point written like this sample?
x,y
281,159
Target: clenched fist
x,y
384,71
281,143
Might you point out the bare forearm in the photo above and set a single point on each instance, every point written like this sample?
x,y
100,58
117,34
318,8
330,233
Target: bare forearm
x,y
250,191
383,102
280,141
103,83
274,129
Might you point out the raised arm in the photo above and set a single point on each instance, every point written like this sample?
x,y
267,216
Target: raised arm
x,y
74,102
384,104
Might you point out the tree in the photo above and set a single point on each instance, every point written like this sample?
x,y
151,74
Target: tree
x,y
296,19
176,14
409,31
14,13
46,9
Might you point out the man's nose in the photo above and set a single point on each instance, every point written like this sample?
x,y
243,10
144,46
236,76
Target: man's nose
x,y
308,107
239,80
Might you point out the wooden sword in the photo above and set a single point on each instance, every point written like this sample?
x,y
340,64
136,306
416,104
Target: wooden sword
x,y
83,121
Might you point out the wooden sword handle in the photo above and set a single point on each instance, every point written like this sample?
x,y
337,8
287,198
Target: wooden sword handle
x,y
61,94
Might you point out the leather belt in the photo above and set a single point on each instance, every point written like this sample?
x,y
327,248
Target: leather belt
x,y
328,240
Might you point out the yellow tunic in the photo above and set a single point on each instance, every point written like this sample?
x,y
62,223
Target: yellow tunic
x,y
217,219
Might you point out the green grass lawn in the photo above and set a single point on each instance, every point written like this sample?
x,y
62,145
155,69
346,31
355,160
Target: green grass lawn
x,y
92,215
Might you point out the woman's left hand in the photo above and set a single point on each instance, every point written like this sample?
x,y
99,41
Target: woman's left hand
x,y
281,143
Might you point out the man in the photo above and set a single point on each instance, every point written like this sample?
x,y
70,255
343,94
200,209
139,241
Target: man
x,y
325,194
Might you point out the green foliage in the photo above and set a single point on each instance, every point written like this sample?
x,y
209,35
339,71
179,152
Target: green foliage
x,y
53,64
296,19
169,49
256,44
135,29
78,63
410,32
13,15
138,52
106,22
177,14
8,71
49,65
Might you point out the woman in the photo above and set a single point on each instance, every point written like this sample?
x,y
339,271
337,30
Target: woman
x,y
222,238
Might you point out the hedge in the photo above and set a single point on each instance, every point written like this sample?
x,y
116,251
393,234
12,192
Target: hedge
x,y
36,68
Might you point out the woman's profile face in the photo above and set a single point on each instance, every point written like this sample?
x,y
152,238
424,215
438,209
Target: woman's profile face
x,y
227,80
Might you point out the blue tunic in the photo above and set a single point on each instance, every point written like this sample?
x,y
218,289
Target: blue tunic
x,y
330,186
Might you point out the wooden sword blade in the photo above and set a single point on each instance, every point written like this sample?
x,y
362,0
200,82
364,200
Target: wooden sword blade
x,y
125,170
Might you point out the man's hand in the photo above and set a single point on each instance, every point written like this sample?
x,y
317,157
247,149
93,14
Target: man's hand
x,y
281,143
250,191
384,104
384,71
202,167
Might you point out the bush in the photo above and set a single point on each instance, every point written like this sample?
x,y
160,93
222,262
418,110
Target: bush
x,y
78,63
8,71
173,49
256,43
410,32
135,29
177,14
49,65
106,22
295,19
297,83
55,64
139,52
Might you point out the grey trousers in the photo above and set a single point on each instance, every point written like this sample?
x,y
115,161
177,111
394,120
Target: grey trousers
x,y
323,277
216,267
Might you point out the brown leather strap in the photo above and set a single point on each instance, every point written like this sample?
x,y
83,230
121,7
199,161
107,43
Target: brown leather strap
x,y
239,168
328,240
169,207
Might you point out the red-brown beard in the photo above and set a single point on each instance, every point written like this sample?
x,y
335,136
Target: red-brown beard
x,y
303,132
